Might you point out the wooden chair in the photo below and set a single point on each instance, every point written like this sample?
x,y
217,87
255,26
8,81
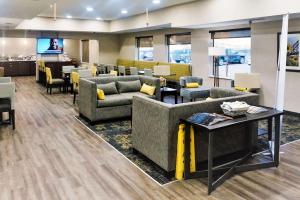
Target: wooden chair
x,y
53,82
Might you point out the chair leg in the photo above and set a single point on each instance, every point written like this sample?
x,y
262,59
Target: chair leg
x,y
47,88
13,119
51,89
74,97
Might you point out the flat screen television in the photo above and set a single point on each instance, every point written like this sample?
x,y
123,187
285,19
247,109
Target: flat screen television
x,y
50,45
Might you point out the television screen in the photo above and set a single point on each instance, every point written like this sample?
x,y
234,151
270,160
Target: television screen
x,y
50,45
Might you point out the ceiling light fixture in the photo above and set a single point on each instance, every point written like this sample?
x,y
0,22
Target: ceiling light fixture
x,y
89,9
124,11
156,1
69,16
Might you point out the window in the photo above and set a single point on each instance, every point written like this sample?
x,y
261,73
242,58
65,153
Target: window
x,y
179,48
238,51
145,48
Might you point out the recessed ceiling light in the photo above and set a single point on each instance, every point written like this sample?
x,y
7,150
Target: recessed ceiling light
x,y
98,18
124,11
90,9
69,16
156,1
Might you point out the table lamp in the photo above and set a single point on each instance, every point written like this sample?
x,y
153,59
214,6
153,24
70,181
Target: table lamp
x,y
216,52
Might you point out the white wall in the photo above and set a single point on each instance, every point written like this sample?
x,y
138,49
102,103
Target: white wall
x,y
205,12
109,49
264,61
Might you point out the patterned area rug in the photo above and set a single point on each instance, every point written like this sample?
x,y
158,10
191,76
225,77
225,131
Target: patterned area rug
x,y
118,134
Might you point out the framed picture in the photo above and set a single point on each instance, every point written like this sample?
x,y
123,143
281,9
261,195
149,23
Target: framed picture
x,y
292,59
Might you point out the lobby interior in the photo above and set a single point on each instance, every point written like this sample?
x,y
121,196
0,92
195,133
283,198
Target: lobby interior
x,y
97,98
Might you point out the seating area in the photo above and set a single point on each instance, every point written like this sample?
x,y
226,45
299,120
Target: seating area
x,y
154,99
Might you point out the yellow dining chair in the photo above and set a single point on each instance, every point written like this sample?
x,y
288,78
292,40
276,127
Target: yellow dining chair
x,y
42,71
94,71
75,81
53,82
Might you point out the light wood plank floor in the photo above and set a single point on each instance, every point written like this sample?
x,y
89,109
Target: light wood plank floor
x,y
52,156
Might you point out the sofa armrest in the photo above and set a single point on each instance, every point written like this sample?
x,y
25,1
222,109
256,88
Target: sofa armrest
x,y
87,101
154,82
149,131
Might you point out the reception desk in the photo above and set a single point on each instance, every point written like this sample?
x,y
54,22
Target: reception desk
x,y
18,68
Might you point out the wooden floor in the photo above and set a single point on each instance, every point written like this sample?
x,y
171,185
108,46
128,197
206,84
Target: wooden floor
x,y
51,156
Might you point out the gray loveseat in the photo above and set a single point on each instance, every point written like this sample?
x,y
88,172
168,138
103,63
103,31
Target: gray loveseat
x,y
155,127
116,105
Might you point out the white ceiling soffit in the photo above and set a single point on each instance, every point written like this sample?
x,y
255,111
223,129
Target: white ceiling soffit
x,y
106,9
9,23
150,28
22,9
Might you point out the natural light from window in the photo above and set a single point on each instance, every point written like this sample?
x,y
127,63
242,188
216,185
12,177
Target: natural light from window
x,y
180,53
146,53
238,56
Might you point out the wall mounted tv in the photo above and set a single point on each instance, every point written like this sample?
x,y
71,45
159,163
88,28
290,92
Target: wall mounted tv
x,y
50,45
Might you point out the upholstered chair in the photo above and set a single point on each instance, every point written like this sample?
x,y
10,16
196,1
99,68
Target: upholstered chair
x,y
53,82
122,70
133,71
148,72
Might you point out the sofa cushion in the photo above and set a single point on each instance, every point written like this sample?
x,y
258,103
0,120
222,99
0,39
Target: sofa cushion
x,y
108,88
129,86
114,100
130,95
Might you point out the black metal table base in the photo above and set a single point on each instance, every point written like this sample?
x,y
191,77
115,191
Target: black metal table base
x,y
237,166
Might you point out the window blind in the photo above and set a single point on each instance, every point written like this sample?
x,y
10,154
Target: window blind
x,y
179,39
145,41
240,33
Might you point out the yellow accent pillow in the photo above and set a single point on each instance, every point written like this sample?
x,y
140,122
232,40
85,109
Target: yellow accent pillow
x,y
242,89
113,72
192,85
100,94
147,89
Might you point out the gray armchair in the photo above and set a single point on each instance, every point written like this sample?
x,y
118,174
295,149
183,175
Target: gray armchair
x,y
193,93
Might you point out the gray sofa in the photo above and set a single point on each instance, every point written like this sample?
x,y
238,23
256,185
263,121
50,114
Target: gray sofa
x,y
115,105
155,127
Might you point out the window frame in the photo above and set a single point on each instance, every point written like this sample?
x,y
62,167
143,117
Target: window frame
x,y
212,33
168,36
137,45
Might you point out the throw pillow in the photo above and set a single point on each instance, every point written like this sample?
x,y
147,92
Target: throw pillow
x,y
100,94
129,86
113,72
192,85
242,89
147,89
108,88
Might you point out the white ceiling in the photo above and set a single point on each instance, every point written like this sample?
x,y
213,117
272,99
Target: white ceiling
x,y
105,9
